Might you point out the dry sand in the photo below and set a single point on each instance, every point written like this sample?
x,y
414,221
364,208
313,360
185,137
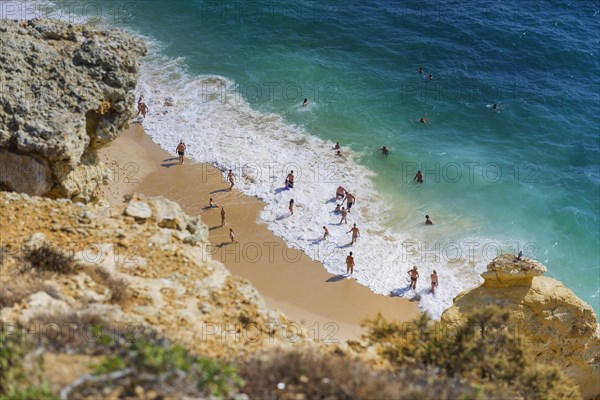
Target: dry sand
x,y
330,307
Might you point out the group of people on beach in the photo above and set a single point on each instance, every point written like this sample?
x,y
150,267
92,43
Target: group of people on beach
x,y
341,196
414,275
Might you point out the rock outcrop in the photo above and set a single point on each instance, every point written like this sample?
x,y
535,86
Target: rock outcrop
x,y
557,325
65,92
152,269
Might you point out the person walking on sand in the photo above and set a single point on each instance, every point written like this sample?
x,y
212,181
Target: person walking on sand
x,y
232,235
289,180
344,214
180,151
350,264
231,179
428,221
434,281
355,234
418,177
325,233
350,200
414,275
222,216
291,207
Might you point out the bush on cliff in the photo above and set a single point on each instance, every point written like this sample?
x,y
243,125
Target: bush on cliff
x,y
483,353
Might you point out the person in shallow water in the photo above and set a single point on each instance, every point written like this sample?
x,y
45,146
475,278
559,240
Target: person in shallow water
x,y
289,180
428,221
355,234
305,103
414,275
434,281
384,150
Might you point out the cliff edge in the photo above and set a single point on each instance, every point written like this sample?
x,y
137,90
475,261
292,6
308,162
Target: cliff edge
x,y
556,325
65,92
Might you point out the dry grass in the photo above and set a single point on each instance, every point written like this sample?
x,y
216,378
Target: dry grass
x,y
48,259
119,292
316,376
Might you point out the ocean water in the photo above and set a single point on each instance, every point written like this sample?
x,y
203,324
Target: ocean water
x,y
229,78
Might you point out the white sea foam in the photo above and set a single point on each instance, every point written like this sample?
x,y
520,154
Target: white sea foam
x,y
221,128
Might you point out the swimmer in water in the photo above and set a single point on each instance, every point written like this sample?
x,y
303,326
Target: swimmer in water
x,y
385,150
424,120
305,103
421,70
418,177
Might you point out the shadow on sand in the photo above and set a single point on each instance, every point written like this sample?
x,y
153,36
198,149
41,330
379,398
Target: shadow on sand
x,y
337,278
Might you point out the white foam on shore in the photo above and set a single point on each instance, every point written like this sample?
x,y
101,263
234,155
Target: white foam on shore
x,y
221,128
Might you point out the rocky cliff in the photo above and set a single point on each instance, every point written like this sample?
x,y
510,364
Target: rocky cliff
x,y
143,264
65,92
557,325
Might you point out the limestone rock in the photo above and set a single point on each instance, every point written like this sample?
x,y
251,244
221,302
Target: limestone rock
x,y
66,92
505,270
558,326
168,213
138,210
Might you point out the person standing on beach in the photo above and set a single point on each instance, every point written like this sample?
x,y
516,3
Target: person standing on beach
x,y
344,214
222,216
434,281
428,221
325,233
418,177
414,275
350,200
232,235
231,179
180,151
291,207
289,180
355,234
350,264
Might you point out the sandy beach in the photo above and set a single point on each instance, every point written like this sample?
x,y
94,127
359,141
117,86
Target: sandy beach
x,y
330,307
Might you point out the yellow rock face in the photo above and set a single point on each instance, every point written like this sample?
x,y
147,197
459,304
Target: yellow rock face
x,y
559,327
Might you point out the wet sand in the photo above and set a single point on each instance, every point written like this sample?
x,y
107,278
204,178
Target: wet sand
x,y
330,307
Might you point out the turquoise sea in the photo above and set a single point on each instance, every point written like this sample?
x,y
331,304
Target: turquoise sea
x,y
524,178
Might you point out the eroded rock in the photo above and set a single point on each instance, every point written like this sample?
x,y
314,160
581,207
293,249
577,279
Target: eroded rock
x,y
66,91
557,325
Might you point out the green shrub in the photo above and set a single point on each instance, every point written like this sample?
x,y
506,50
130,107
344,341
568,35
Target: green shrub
x,y
482,353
